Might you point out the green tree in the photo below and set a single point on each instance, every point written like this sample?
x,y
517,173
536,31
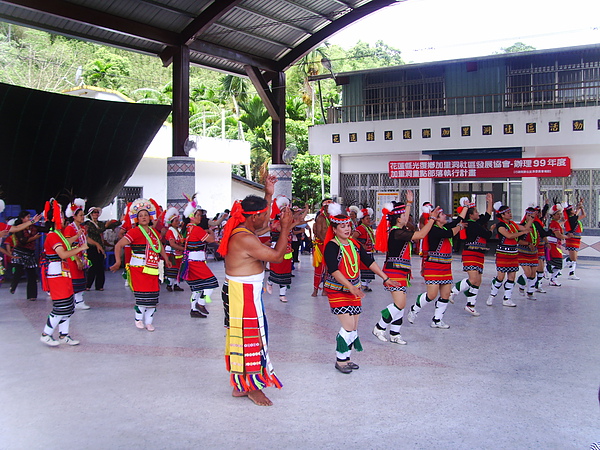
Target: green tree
x,y
517,47
306,178
108,70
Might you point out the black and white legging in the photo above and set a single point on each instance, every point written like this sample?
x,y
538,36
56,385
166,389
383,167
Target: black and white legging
x,y
61,313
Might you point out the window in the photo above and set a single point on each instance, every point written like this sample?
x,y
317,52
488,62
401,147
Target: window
x,y
564,80
406,93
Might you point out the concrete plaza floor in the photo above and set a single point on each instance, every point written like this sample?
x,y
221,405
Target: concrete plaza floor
x,y
513,378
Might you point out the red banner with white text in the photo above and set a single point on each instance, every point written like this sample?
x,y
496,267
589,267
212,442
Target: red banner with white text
x,y
482,168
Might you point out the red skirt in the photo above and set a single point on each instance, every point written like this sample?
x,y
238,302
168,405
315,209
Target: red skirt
x,y
541,251
472,261
143,282
528,259
507,262
340,299
402,277
437,273
572,243
198,270
60,287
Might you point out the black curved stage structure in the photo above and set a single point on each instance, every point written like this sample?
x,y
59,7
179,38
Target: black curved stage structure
x,y
53,144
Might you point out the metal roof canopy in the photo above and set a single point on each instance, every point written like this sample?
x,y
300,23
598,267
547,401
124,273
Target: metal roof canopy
x,y
255,38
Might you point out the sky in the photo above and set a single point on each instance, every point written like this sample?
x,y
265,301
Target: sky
x,y
437,30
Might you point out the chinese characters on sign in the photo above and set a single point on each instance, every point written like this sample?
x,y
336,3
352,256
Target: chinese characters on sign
x,y
482,168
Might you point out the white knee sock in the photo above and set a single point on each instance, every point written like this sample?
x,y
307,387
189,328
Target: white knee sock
x,y
78,297
149,316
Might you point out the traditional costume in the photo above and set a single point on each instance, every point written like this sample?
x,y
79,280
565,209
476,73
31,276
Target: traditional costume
x,y
397,247
346,259
175,256
143,267
246,345
80,263
318,261
507,257
528,255
555,259
574,228
56,279
280,273
436,269
366,238
194,269
25,261
476,236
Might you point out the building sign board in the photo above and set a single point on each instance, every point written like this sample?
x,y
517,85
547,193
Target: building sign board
x,y
482,168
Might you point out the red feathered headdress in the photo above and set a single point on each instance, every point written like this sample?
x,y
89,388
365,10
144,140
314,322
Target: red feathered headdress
x,y
56,220
236,216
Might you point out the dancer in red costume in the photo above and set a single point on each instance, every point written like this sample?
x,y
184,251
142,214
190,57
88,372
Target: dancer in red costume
x,y
342,284
507,257
142,270
80,263
319,232
56,277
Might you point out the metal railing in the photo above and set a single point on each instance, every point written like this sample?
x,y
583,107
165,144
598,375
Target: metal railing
x,y
566,97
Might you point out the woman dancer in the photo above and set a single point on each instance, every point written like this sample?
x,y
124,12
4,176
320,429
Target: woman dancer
x,y
280,273
174,248
397,245
527,246
573,230
507,257
142,270
342,284
56,277
555,239
366,238
96,253
79,263
194,268
24,259
437,267
473,253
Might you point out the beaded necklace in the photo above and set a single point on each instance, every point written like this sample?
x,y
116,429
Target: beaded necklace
x,y
155,249
65,241
350,263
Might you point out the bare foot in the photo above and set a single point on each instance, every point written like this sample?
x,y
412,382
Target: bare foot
x,y
269,288
315,293
258,397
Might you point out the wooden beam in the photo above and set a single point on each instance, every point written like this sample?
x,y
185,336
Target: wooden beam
x,y
229,54
199,25
181,99
263,91
88,16
278,126
307,45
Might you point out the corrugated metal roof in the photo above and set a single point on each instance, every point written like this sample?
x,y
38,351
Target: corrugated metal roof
x,y
222,34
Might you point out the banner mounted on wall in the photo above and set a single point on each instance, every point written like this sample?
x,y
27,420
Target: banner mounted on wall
x,y
482,168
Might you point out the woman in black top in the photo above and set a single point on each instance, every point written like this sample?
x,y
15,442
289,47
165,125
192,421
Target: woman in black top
x,y
473,253
397,264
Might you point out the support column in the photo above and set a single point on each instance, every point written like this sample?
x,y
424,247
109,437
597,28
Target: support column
x,y
278,90
181,179
181,169
181,99
283,173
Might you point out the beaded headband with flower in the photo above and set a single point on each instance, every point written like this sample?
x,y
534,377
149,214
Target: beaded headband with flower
x,y
281,201
74,206
191,207
335,209
365,212
356,210
381,234
141,204
170,215
500,208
